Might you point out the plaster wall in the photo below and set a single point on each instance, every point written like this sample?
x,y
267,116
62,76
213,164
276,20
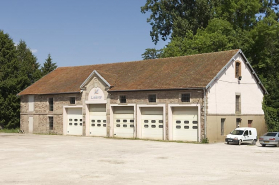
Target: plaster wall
x,y
214,125
221,95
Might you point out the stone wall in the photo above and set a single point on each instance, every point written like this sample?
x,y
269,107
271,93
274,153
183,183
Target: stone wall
x,y
41,112
163,97
41,106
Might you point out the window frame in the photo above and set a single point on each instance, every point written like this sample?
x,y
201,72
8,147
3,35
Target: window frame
x,y
181,99
237,103
237,69
122,99
250,122
223,126
74,100
151,99
50,122
50,104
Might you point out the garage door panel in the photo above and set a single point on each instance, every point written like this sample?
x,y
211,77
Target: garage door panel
x,y
98,125
74,122
98,120
185,123
124,125
152,123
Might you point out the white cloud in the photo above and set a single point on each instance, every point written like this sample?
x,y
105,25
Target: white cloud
x,y
34,50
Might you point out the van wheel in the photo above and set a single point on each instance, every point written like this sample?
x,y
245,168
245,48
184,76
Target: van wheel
x,y
263,145
254,142
239,142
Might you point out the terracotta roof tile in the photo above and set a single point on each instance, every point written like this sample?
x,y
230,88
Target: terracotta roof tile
x,y
193,71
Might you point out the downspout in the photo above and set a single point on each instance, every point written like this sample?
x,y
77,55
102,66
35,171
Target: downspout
x,y
204,106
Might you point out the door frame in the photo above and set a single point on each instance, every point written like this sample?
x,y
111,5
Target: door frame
x,y
112,117
170,115
30,122
139,133
65,116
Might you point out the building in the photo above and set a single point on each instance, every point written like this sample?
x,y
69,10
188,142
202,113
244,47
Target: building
x,y
181,98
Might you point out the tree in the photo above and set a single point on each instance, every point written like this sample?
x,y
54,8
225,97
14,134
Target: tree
x,y
9,103
18,70
28,66
48,66
230,24
175,18
151,53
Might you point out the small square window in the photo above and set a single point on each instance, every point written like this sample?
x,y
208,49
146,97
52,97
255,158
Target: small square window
x,y
122,99
72,100
185,97
152,98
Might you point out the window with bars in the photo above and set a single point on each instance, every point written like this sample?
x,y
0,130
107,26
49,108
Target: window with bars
x,y
185,97
122,99
72,100
50,121
50,104
152,98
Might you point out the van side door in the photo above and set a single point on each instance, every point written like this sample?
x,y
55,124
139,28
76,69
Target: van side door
x,y
246,136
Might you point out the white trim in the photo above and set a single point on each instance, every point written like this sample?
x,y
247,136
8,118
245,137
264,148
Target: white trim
x,y
111,117
90,76
95,102
65,119
170,118
139,133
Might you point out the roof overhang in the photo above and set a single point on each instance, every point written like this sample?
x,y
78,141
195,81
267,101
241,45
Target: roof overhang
x,y
227,66
89,78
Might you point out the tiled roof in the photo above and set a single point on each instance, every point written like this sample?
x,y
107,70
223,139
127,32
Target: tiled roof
x,y
193,71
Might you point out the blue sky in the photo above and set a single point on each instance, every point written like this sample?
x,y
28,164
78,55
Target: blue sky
x,y
79,32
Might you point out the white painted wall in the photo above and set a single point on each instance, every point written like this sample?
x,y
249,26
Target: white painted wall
x,y
221,95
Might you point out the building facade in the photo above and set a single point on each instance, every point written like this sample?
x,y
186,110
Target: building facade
x,y
182,98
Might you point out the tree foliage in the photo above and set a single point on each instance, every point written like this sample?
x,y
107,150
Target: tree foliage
x,y
176,18
8,82
202,26
152,53
48,66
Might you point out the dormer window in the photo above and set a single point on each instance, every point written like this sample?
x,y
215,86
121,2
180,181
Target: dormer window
x,y
237,69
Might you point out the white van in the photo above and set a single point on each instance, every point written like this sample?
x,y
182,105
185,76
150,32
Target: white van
x,y
242,135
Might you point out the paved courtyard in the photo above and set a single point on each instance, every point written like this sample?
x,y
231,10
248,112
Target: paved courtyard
x,y
53,159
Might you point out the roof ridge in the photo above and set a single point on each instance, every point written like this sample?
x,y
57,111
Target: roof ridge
x,y
150,59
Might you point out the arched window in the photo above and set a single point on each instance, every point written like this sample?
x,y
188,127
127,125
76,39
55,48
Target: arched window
x,y
237,69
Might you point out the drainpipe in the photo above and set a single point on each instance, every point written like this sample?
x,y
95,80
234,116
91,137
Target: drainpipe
x,y
204,106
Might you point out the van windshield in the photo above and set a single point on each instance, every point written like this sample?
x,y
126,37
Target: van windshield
x,y
237,132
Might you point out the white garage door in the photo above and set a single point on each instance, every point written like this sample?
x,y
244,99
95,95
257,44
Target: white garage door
x,y
74,126
185,123
123,120
152,125
98,120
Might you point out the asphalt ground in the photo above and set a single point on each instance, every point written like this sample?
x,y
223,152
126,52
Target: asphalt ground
x,y
54,159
